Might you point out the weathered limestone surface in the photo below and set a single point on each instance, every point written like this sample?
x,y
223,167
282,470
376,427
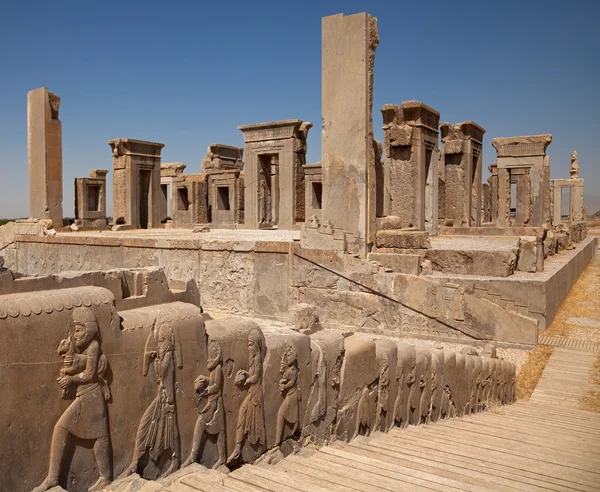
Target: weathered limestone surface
x,y
274,156
178,385
461,171
348,157
400,263
411,165
523,160
44,146
136,183
90,201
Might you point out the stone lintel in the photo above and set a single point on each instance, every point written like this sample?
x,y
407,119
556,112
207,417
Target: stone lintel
x,y
312,169
274,130
462,131
522,146
171,169
98,173
413,113
130,146
567,182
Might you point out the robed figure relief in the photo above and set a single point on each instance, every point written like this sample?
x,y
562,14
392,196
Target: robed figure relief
x,y
251,417
158,432
289,411
211,413
83,368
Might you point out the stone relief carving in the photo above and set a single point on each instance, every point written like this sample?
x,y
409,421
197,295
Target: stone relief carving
x,y
383,395
289,411
158,432
211,418
251,417
399,403
84,367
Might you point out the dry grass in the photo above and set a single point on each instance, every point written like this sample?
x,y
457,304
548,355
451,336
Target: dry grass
x,y
590,401
582,302
532,370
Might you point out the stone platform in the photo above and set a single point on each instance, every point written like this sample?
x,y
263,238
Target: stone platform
x,y
537,295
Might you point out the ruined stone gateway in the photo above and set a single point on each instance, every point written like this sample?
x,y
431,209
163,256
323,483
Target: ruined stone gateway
x,y
237,313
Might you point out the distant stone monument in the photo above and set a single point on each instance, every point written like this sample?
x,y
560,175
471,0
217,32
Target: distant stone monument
x,y
44,147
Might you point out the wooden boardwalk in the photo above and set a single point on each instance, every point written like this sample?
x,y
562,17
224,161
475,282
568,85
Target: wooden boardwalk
x,y
546,443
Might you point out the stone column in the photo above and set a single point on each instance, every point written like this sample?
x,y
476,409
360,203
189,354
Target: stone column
x,y
348,157
556,202
44,147
493,180
461,158
503,218
577,201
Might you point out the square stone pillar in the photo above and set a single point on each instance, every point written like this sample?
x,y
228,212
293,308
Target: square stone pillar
x,y
44,148
136,183
348,154
493,180
411,166
462,162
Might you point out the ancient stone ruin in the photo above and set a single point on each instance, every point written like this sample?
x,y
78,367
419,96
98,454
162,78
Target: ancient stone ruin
x,y
264,302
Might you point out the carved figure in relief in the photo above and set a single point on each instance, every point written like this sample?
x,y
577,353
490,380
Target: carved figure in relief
x,y
424,405
448,409
289,411
434,413
211,418
84,367
574,169
399,394
383,395
158,432
362,413
251,417
320,386
413,400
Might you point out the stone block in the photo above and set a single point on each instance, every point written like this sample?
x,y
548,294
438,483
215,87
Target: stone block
x,y
528,254
496,323
399,263
403,239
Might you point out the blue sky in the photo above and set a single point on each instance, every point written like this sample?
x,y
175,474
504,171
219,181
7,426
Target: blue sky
x,y
188,73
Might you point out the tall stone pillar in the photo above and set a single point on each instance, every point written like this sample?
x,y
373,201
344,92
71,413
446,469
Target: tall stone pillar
x,y
348,155
44,147
493,180
462,161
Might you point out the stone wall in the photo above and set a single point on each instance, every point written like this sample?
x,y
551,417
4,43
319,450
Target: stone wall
x,y
266,279
163,372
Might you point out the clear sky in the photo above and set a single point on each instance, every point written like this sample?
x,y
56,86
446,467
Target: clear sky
x,y
188,73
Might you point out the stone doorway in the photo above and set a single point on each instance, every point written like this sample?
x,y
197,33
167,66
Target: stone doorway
x,y
268,190
145,179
